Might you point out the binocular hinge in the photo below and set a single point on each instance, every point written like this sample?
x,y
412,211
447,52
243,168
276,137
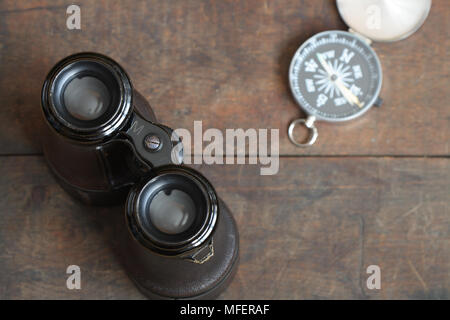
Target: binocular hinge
x,y
151,142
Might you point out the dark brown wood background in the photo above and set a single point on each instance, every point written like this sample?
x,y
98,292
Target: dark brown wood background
x,y
372,191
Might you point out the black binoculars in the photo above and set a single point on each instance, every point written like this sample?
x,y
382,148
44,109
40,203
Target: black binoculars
x,y
104,146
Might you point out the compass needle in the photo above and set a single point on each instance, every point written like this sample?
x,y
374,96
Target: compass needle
x,y
348,94
324,64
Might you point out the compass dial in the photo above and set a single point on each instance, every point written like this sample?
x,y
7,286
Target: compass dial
x,y
335,76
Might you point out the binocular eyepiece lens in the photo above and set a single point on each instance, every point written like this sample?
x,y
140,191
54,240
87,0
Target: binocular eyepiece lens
x,y
86,98
172,211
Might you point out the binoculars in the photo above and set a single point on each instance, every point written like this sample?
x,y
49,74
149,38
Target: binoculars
x,y
105,146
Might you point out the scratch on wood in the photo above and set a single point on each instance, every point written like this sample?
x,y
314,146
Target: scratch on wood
x,y
278,277
424,285
394,277
414,209
361,255
49,8
239,175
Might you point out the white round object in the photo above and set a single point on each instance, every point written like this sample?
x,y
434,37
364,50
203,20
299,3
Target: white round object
x,y
384,20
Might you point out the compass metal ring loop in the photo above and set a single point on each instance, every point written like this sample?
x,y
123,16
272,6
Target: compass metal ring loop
x,y
313,133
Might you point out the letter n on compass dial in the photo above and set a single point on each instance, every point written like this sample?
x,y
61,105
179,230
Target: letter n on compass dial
x,y
335,76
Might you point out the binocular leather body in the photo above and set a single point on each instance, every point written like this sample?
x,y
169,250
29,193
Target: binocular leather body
x,y
163,277
178,239
100,174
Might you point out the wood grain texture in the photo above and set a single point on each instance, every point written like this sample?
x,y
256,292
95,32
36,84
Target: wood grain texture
x,y
224,62
307,233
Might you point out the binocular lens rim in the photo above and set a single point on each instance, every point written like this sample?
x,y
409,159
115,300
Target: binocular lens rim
x,y
98,66
174,178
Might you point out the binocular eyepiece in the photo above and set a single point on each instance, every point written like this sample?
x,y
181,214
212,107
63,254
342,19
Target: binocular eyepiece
x,y
87,98
104,146
172,212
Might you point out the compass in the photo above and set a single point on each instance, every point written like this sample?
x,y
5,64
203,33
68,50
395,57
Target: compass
x,y
335,75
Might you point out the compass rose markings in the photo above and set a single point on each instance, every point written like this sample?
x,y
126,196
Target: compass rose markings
x,y
311,65
357,72
328,84
328,54
355,90
340,101
332,72
310,85
321,100
347,55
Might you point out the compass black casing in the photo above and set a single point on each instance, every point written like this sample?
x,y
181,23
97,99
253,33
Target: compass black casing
x,y
350,62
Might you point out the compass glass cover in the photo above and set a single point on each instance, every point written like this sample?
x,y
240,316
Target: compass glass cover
x,y
335,76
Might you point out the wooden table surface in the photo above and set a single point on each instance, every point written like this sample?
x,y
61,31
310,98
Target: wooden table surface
x,y
374,191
